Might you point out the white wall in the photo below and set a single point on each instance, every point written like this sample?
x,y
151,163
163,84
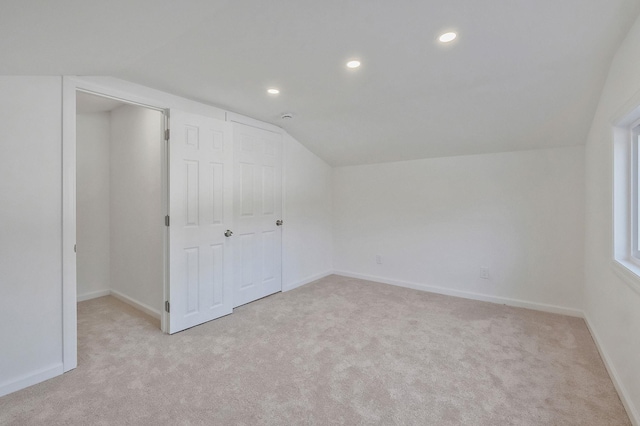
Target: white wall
x,y
612,307
30,231
307,237
435,222
31,172
92,204
137,219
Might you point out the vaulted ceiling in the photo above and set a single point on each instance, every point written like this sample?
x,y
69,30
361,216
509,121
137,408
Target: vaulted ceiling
x,y
522,74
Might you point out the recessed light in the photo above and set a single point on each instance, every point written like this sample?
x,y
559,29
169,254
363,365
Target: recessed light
x,y
447,37
353,64
273,91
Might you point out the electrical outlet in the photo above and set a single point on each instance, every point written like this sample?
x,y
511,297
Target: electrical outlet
x,y
484,272
378,259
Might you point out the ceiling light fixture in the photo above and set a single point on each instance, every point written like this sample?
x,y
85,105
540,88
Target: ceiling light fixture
x,y
353,64
273,91
447,37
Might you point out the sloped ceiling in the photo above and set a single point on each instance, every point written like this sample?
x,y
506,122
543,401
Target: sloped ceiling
x,y
87,104
523,74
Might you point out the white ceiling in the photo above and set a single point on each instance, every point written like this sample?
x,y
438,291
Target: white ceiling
x,y
87,103
523,74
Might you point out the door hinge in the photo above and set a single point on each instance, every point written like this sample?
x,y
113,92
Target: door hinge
x,y
166,220
75,248
167,134
167,306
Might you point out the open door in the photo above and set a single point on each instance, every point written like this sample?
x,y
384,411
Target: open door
x,y
200,213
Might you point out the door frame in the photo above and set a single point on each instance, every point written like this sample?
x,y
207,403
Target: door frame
x,y
70,87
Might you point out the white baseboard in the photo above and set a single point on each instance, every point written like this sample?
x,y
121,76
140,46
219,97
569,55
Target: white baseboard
x,y
468,295
306,281
93,295
140,306
632,411
30,379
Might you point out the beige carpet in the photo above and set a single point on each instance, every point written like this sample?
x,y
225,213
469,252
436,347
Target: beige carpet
x,y
338,351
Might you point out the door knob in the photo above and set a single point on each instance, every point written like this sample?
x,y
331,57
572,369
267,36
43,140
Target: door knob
x,y
279,222
228,233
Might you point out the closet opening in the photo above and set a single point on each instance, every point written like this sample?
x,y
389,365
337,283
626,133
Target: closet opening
x,y
120,203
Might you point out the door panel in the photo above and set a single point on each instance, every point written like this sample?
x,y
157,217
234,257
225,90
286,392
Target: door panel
x,y
258,204
201,209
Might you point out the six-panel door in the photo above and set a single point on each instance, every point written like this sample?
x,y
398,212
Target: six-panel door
x,y
257,207
200,206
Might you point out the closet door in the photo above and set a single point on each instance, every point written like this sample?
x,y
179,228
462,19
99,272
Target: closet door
x,y
257,210
200,210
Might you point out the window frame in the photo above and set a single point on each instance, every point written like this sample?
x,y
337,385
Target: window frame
x,y
634,186
625,165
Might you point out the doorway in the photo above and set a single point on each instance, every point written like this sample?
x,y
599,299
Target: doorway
x,y
119,202
198,176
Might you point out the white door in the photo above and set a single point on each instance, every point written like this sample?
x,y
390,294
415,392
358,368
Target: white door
x,y
200,211
257,208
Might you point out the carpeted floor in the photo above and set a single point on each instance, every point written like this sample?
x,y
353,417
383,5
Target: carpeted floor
x,y
337,351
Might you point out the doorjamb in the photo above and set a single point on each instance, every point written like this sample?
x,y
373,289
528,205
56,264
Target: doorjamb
x,y
70,86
